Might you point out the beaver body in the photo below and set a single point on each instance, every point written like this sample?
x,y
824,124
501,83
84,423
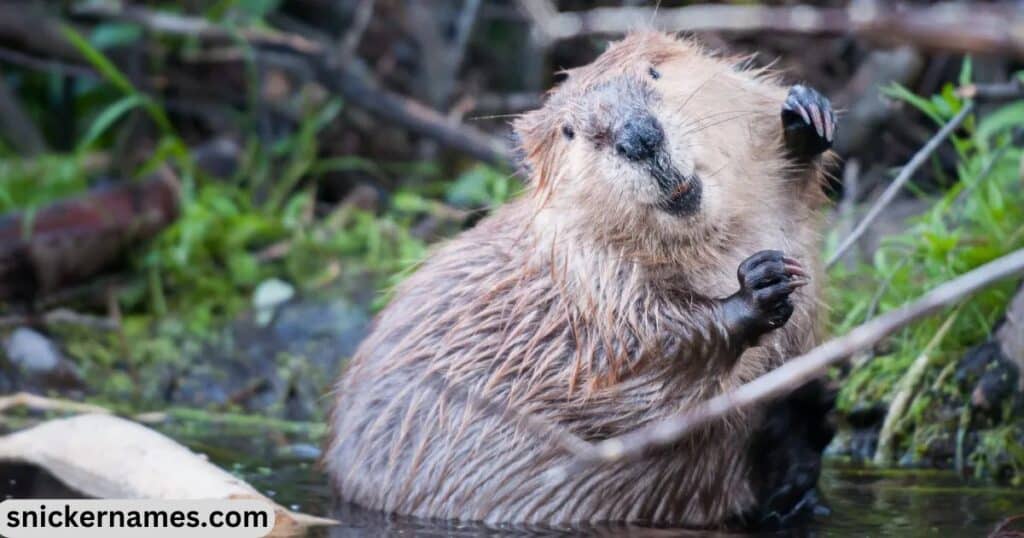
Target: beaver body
x,y
649,266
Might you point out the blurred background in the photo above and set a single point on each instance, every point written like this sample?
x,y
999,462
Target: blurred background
x,y
203,204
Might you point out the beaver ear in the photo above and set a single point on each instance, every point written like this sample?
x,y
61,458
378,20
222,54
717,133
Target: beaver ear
x,y
534,140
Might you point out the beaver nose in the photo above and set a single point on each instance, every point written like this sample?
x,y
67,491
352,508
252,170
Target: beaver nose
x,y
639,138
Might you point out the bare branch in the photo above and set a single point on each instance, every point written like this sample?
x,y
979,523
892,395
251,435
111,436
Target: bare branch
x,y
351,79
354,35
951,26
905,174
794,373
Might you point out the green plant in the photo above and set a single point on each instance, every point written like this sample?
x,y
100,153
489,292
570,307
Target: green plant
x,y
979,218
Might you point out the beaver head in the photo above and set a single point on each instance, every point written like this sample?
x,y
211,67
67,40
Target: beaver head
x,y
656,136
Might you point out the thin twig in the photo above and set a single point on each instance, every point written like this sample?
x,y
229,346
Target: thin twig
x,y
42,403
360,20
794,373
1006,91
905,174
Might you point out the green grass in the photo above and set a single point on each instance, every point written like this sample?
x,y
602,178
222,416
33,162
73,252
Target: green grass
x,y
980,218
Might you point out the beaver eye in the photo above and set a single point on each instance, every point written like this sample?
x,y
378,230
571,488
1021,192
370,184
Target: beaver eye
x,y
654,73
568,131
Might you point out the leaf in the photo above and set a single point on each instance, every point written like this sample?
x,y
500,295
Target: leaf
x,y
999,121
113,75
107,118
98,60
245,270
107,457
965,71
901,93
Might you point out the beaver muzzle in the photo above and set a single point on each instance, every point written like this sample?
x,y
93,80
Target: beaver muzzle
x,y
682,193
641,140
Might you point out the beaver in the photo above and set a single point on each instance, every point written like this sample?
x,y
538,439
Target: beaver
x,y
664,251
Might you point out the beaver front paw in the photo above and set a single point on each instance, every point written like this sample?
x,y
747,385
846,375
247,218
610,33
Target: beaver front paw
x,y
808,122
763,304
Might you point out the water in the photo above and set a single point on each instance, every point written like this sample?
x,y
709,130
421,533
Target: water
x,y
865,502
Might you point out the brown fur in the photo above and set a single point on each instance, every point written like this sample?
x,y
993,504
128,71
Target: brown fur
x,y
583,306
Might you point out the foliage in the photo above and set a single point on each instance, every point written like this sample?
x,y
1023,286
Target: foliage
x,y
980,218
267,220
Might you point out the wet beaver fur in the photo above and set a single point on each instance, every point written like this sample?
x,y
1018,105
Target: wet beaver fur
x,y
665,251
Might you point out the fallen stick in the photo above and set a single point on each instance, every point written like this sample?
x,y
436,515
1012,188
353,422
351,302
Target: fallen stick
x,y
794,373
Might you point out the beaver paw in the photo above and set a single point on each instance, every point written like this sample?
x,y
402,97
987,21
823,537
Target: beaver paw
x,y
808,122
766,281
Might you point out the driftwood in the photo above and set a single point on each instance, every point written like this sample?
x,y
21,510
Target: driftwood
x,y
73,240
947,26
794,373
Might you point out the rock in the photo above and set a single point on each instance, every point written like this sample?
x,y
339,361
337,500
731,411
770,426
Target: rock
x,y
217,157
32,352
991,372
279,367
300,451
859,436
38,362
268,296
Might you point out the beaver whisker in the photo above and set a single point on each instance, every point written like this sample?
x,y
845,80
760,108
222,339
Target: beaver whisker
x,y
726,120
695,91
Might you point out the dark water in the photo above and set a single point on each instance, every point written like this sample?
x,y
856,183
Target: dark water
x,y
865,502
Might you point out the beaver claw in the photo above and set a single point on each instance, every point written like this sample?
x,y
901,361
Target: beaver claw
x,y
766,281
808,122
